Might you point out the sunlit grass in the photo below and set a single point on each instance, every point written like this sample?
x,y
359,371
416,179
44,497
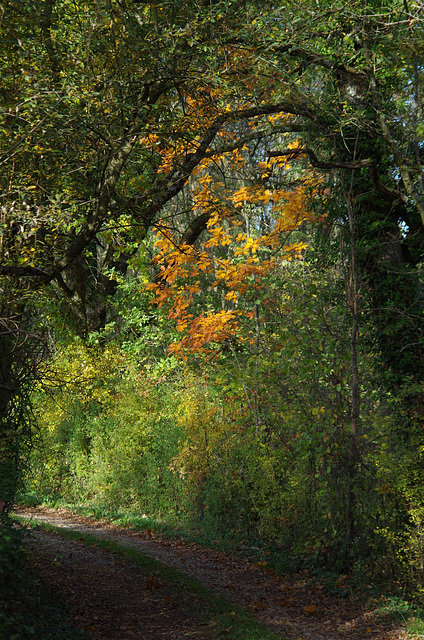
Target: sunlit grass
x,y
406,612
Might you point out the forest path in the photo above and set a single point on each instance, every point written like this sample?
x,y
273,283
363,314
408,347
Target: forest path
x,y
110,599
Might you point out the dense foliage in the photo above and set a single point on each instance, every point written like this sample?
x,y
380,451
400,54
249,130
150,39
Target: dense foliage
x,y
217,209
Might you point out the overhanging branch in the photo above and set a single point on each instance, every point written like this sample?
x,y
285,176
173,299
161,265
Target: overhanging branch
x,y
335,164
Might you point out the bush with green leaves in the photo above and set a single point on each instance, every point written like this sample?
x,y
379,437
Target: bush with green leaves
x,y
107,436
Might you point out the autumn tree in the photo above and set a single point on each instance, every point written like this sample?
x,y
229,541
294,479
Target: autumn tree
x,y
343,97
106,111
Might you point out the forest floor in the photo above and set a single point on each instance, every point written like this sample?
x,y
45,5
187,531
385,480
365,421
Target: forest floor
x,y
112,599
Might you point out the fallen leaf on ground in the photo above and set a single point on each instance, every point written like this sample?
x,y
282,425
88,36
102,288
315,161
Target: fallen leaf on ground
x,y
309,609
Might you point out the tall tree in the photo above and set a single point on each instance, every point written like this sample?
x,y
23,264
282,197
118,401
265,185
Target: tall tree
x,y
129,100
360,69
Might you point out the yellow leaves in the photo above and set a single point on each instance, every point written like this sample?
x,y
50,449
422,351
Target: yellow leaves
x,y
254,195
263,166
295,249
186,272
260,196
251,246
273,119
231,296
241,196
218,237
86,371
236,276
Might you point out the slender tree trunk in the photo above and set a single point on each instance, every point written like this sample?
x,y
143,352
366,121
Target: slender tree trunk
x,y
352,289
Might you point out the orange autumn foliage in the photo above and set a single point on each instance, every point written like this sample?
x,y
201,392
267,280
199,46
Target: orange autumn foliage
x,y
232,260
186,273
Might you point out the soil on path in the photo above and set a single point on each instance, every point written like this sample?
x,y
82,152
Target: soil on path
x,y
110,599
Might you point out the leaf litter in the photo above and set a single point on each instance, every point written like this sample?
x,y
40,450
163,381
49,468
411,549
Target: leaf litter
x,y
109,598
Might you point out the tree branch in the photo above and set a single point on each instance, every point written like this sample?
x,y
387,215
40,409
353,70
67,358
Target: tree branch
x,y
19,272
174,182
195,228
164,190
257,135
334,164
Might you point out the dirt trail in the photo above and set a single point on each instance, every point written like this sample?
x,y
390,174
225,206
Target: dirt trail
x,y
110,600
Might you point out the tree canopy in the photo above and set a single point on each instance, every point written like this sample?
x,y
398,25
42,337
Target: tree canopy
x,y
111,109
